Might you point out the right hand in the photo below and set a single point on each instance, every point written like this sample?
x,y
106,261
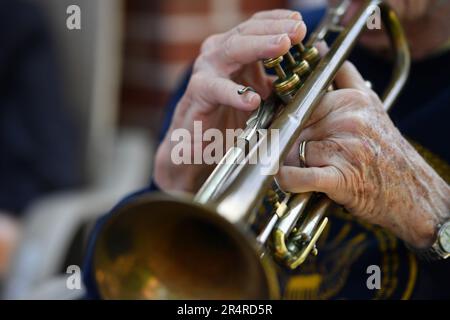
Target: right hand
x,y
227,62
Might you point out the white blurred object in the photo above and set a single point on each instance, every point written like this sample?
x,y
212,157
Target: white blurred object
x,y
52,223
117,163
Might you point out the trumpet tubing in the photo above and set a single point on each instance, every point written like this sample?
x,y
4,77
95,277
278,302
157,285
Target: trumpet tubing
x,y
217,245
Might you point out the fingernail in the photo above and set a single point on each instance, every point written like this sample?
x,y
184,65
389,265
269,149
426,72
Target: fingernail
x,y
296,28
295,15
279,39
250,97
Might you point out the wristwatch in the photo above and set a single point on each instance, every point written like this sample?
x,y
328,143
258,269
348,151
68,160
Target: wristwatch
x,y
440,248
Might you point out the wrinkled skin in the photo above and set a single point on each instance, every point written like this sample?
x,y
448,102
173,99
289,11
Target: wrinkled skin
x,y
358,158
355,154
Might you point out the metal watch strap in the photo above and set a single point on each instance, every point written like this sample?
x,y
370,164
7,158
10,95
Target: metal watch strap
x,y
428,254
432,253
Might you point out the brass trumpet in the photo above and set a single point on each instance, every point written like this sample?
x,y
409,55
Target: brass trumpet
x,y
217,245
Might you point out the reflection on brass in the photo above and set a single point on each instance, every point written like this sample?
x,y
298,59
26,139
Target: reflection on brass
x,y
219,244
275,64
312,56
302,68
287,86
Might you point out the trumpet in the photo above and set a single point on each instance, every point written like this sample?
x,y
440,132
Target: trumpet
x,y
218,245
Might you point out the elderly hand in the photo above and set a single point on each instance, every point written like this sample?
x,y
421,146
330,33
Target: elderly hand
x,y
356,155
227,62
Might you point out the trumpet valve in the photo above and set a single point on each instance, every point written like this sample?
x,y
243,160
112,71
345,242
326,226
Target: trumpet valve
x,y
302,68
275,64
310,54
287,83
299,67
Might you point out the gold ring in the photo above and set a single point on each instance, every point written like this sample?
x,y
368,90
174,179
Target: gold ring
x,y
301,153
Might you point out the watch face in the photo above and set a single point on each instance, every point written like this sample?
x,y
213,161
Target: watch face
x,y
444,237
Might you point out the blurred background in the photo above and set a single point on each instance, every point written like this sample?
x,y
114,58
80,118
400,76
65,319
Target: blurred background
x,y
80,113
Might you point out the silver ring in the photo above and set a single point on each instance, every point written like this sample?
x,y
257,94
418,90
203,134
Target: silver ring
x,y
301,153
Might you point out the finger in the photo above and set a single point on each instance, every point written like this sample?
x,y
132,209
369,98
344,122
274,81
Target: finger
x,y
258,78
278,14
349,77
330,101
324,117
296,30
298,180
247,49
220,91
322,47
317,154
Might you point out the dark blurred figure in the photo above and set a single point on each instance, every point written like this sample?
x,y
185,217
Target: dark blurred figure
x,y
38,142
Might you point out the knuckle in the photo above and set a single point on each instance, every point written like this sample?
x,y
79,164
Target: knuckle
x,y
198,63
241,28
201,62
196,82
374,98
210,85
268,27
341,98
316,179
228,47
210,43
354,122
210,54
358,122
341,183
362,98
255,15
258,14
269,51
353,99
278,26
348,64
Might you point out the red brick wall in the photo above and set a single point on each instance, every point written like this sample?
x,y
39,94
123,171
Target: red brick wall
x,y
161,39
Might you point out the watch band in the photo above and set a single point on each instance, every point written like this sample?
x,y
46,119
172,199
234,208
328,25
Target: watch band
x,y
434,252
429,254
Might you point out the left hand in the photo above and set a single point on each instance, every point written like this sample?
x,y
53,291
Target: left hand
x,y
356,155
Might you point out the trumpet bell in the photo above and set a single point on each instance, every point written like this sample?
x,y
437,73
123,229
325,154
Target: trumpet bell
x,y
159,247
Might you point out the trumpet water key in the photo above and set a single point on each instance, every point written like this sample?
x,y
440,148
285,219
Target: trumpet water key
x,y
217,245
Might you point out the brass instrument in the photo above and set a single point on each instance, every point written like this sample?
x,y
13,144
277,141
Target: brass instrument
x,y
163,247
